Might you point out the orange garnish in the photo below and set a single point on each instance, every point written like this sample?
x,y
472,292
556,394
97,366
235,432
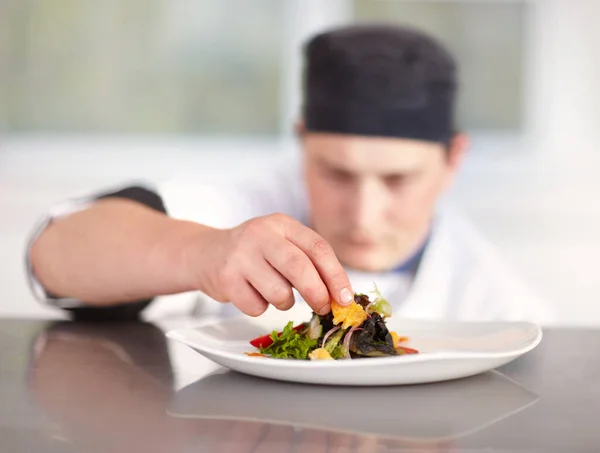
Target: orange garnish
x,y
398,339
320,354
351,316
254,354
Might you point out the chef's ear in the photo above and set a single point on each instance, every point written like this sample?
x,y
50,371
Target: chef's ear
x,y
457,150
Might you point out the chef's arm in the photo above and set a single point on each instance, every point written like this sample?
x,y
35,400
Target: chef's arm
x,y
120,248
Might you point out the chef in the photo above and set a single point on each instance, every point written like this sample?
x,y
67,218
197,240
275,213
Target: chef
x,y
359,206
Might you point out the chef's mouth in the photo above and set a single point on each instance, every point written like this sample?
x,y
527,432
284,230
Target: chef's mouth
x,y
364,244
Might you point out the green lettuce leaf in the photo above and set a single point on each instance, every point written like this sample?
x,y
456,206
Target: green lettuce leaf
x,y
290,345
334,340
380,304
339,352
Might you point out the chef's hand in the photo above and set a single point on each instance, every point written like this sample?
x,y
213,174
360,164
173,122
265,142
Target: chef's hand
x,y
257,263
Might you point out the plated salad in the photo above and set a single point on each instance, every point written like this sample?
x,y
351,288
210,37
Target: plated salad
x,y
355,331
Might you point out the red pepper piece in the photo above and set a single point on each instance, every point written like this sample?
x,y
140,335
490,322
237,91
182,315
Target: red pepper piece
x,y
407,350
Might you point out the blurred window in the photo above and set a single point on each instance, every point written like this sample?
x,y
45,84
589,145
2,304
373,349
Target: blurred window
x,y
209,67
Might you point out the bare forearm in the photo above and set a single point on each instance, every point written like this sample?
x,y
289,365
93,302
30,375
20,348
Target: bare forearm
x,y
116,251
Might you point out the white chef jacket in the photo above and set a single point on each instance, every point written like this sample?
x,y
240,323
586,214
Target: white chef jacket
x,y
460,275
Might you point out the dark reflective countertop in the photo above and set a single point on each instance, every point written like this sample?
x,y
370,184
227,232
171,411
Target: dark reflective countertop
x,y
123,387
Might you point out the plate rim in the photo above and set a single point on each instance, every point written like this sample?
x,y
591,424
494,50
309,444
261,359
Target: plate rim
x,y
177,335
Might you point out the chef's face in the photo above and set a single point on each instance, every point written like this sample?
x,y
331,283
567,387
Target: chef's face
x,y
373,198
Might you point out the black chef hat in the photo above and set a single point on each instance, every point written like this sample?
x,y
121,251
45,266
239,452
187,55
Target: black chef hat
x,y
379,80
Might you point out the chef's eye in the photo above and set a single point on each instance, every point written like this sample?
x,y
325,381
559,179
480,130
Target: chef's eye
x,y
340,175
395,180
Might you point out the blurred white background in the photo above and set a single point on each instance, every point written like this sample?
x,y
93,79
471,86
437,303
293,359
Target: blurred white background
x,y
212,87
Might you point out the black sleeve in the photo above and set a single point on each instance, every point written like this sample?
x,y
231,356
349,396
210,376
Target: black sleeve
x,y
139,194
131,310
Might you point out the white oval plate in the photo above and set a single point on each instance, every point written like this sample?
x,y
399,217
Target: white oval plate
x,y
448,350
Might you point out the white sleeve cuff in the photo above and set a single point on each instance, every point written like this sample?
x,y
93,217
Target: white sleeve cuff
x,y
56,212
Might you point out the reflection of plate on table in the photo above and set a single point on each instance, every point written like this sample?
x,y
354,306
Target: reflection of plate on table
x,y
426,412
449,350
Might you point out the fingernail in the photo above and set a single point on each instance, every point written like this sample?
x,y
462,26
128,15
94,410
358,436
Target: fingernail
x,y
346,296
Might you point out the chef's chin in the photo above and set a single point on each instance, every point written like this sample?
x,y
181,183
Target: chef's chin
x,y
365,259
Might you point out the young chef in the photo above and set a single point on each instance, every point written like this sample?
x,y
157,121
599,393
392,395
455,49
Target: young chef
x,y
361,206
